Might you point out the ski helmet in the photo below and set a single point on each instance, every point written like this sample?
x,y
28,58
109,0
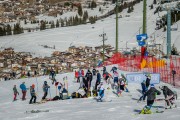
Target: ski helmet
x,y
33,86
152,85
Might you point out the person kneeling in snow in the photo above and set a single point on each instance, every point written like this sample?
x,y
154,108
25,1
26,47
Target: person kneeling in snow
x,y
101,91
169,96
151,96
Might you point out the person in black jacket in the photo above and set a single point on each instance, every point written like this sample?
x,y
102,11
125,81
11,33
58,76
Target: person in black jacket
x,y
89,77
148,79
169,96
151,95
94,71
85,86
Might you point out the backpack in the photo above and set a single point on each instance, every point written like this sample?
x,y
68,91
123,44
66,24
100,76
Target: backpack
x,y
56,98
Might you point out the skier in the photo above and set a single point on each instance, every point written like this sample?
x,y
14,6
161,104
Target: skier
x,y
115,76
52,76
33,94
101,91
169,96
151,96
94,71
114,68
121,85
89,77
98,79
107,76
144,90
60,88
82,72
15,92
76,76
148,79
79,75
85,85
28,74
45,90
104,69
24,90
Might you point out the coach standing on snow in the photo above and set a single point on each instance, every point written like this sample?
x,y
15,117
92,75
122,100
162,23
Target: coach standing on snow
x,y
24,90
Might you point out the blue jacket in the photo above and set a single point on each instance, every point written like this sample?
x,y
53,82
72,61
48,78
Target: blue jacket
x,y
32,91
144,88
98,77
23,87
45,87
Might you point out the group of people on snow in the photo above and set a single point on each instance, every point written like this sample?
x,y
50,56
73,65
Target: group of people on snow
x,y
85,80
151,93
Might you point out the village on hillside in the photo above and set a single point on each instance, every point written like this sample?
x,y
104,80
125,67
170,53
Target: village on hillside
x,y
15,65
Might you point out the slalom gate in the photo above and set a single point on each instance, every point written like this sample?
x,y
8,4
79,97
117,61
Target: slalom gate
x,y
169,69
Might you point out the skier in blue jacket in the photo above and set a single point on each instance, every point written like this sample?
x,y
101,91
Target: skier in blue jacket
x,y
24,90
144,90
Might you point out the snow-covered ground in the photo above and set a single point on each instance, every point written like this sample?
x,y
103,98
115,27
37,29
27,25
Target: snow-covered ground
x,y
124,107
89,34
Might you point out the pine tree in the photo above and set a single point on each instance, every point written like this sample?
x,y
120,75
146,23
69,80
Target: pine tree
x,y
129,10
113,1
1,31
4,31
25,22
80,12
62,23
93,4
52,24
42,25
99,9
57,23
9,32
154,2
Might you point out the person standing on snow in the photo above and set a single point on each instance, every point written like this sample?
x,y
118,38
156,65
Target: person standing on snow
x,y
148,79
89,77
169,96
15,92
76,76
114,68
33,94
94,71
98,80
104,70
45,90
115,76
52,75
151,95
24,90
144,90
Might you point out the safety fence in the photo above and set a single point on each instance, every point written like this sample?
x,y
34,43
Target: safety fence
x,y
169,69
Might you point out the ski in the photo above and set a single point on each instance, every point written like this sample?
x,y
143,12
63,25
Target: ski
x,y
36,111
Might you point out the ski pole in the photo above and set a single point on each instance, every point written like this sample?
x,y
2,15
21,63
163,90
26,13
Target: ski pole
x,y
37,83
50,93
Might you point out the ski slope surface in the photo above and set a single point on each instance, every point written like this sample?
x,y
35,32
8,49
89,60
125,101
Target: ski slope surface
x,y
124,107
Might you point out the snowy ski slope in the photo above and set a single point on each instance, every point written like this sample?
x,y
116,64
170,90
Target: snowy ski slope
x,y
123,107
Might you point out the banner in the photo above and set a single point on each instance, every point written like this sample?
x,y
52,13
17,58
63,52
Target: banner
x,y
139,77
